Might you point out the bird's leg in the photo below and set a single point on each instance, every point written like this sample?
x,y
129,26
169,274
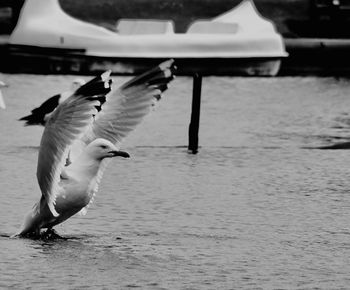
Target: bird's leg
x,y
50,234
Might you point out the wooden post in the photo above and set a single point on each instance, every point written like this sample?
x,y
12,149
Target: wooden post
x,y
195,114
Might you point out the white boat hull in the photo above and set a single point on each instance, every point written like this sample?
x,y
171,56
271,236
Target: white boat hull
x,y
252,44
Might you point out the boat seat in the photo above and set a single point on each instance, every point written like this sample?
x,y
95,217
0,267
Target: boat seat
x,y
212,27
144,26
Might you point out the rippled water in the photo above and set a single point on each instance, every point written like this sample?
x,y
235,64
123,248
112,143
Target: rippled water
x,y
257,208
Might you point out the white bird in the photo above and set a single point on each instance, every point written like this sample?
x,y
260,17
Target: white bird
x,y
2,102
41,114
78,142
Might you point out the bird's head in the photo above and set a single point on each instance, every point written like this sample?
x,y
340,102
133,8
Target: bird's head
x,y
102,148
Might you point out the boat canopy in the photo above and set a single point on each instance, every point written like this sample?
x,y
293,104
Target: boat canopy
x,y
211,27
243,18
248,19
144,26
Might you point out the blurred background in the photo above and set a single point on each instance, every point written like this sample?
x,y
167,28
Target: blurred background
x,y
293,18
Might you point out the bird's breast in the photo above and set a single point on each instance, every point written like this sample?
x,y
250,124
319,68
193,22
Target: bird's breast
x,y
74,195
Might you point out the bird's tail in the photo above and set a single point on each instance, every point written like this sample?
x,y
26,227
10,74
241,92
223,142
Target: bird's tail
x,y
40,114
33,119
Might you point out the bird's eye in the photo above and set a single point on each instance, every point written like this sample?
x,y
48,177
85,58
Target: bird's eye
x,y
103,146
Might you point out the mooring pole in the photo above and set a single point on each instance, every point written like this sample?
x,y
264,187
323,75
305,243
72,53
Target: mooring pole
x,y
195,114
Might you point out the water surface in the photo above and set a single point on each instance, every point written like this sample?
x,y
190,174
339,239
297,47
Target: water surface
x,y
257,208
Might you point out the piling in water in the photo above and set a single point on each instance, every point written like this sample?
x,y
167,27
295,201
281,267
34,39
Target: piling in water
x,y
195,114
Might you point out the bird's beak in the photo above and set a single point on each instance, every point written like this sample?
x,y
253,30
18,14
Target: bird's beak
x,y
119,153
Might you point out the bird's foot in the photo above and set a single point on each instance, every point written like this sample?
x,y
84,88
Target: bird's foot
x,y
50,234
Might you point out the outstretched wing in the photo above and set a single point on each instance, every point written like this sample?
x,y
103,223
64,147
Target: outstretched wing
x,y
68,122
125,107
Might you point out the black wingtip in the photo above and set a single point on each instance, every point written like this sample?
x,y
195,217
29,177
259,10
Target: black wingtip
x,y
157,76
168,65
100,85
25,118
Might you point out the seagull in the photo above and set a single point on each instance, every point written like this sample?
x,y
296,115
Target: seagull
x,y
2,102
78,142
40,115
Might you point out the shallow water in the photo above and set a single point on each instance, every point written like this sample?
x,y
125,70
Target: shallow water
x,y
257,208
